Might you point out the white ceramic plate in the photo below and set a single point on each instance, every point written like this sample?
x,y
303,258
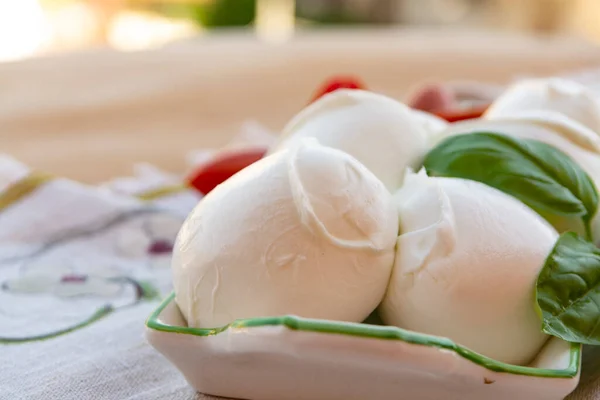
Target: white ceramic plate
x,y
292,358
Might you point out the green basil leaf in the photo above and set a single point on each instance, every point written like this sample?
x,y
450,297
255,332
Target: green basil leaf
x,y
568,290
538,174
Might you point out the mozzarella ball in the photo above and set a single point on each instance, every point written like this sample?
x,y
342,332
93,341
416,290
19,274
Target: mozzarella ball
x,y
549,94
307,231
380,132
467,260
557,130
432,124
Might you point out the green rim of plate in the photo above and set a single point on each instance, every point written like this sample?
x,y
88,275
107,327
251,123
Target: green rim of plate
x,y
370,331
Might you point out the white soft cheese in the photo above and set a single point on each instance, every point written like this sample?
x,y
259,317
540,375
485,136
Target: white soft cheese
x,y
554,129
549,94
380,132
306,231
432,124
467,260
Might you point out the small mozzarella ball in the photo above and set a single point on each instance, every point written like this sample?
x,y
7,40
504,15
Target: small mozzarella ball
x,y
467,260
549,94
380,132
306,231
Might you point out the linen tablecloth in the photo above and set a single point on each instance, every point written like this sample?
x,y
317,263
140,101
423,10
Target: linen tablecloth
x,y
81,268
83,264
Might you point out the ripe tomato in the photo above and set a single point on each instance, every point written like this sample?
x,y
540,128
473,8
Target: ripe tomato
x,y
222,167
431,97
460,114
338,82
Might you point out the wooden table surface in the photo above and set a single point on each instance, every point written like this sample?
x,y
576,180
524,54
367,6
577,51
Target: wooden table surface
x,y
91,115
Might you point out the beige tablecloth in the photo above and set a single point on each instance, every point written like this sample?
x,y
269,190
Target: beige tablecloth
x,y
91,116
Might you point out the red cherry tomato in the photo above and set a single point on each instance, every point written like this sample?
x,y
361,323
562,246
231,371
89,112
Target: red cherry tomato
x,y
222,167
453,115
338,82
432,97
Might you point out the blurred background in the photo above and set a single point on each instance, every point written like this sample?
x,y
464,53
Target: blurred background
x,y
189,74
30,28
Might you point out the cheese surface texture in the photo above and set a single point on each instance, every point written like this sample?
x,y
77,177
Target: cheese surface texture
x,y
467,260
306,231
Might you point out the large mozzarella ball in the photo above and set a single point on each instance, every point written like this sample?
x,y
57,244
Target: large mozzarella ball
x,y
306,231
549,94
468,257
380,132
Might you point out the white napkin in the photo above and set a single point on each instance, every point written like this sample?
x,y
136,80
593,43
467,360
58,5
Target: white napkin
x,y
81,268
94,260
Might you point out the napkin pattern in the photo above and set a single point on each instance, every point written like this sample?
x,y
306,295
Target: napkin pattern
x,y
72,254
81,268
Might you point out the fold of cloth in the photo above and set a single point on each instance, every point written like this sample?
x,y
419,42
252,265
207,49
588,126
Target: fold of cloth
x,y
71,252
81,267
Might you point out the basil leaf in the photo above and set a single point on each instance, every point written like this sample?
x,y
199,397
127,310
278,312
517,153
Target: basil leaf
x,y
568,290
538,174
